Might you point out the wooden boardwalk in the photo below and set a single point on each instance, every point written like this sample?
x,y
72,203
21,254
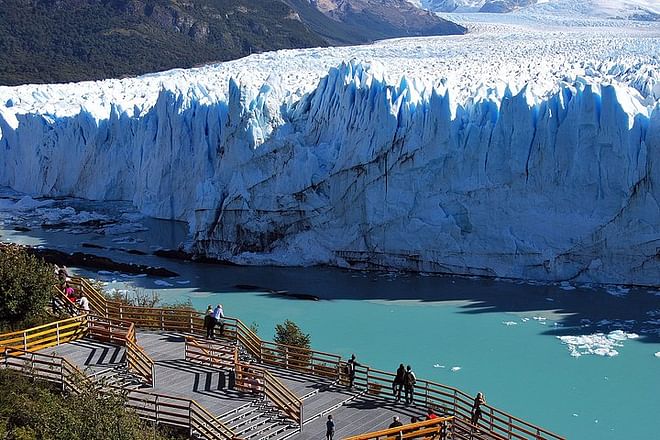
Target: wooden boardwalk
x,y
171,374
354,412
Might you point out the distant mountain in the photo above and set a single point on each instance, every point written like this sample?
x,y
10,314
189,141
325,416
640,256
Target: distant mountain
x,y
619,9
378,19
71,40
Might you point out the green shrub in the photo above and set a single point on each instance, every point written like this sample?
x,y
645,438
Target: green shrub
x,y
290,334
38,410
26,284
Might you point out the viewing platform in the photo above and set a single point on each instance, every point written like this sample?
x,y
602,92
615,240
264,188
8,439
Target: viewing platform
x,y
237,386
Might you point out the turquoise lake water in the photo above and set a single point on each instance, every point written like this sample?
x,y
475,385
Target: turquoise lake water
x,y
497,337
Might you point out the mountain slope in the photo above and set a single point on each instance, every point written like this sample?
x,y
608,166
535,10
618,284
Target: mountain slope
x,y
379,19
71,40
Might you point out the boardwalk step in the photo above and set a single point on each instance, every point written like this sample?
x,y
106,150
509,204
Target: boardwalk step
x,y
260,431
283,435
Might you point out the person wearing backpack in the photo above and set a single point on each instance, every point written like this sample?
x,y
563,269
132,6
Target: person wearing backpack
x,y
409,384
350,370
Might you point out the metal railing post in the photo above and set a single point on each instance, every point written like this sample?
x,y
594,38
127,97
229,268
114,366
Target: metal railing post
x,y
57,332
25,341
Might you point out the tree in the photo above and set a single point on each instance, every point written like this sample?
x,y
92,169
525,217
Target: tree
x,y
290,334
26,284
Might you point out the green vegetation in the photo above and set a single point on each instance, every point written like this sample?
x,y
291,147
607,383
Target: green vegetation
x,y
32,410
290,334
71,40
26,284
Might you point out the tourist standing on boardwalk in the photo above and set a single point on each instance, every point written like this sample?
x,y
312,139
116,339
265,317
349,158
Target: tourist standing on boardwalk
x,y
397,385
395,422
409,381
83,302
350,370
218,315
330,428
430,414
209,322
476,408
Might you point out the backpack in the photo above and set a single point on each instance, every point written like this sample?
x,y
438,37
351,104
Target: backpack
x,y
350,368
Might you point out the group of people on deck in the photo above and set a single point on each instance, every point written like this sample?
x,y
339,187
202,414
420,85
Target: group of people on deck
x,y
212,319
405,379
79,303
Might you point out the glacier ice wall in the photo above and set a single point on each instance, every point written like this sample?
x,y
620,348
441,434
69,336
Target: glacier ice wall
x,y
363,173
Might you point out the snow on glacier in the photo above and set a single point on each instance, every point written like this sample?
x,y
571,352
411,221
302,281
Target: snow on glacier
x,y
509,152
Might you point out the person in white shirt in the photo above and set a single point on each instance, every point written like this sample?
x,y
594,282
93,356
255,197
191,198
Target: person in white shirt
x,y
218,314
83,302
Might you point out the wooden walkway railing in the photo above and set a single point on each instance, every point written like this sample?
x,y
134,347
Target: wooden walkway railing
x,y
47,335
179,412
45,367
440,428
210,352
249,377
447,399
123,333
153,407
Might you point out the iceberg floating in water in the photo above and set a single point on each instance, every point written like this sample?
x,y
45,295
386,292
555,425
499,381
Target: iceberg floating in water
x,y
599,344
547,172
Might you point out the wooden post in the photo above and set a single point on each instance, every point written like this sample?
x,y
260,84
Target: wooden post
x,y
57,332
162,319
25,340
190,421
156,410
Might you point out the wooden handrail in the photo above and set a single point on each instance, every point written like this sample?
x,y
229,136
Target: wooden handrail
x,y
440,426
249,377
210,352
123,332
46,335
454,401
166,409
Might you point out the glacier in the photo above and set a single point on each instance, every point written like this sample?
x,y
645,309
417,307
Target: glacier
x,y
510,152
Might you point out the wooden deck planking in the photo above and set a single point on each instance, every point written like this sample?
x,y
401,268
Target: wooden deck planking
x,y
360,415
354,413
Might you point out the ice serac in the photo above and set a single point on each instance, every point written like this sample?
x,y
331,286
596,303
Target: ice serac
x,y
363,172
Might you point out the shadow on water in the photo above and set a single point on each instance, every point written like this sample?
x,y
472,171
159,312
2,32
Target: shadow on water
x,y
579,310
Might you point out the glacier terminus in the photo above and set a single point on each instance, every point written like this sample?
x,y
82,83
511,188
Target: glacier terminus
x,y
512,152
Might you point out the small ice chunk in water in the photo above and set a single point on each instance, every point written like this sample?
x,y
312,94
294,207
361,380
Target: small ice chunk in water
x,y
455,368
438,366
183,282
657,354
508,323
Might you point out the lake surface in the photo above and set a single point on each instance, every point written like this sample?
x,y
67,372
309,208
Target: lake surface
x,y
498,337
